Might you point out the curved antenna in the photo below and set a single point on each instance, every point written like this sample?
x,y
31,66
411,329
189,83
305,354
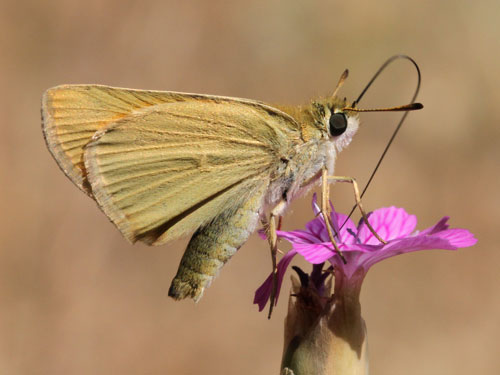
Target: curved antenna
x,y
403,118
382,68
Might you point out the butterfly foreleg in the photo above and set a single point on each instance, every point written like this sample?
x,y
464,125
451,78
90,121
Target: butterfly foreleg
x,y
325,212
357,198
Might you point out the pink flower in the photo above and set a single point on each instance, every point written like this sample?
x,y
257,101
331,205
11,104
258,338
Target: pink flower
x,y
360,248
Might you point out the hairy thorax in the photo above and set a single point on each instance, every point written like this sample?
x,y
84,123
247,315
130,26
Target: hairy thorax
x,y
301,167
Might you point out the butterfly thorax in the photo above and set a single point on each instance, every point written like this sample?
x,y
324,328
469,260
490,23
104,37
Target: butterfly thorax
x,y
318,148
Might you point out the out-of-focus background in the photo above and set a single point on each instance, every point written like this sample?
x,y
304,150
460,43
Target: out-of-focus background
x,y
76,298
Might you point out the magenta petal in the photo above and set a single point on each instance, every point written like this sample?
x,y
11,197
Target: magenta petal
x,y
263,293
300,236
389,223
346,227
457,237
315,253
262,234
315,206
297,236
407,245
438,227
317,228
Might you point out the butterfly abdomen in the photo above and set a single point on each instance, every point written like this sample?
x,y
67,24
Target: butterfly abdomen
x,y
213,245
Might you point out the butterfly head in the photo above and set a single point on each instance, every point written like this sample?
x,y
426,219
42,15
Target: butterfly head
x,y
339,121
335,122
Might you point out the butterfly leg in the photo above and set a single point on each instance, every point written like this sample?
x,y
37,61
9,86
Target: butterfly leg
x,y
357,198
325,212
272,238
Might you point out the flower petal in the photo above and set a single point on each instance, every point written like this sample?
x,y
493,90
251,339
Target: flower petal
x,y
451,239
346,227
315,206
297,236
457,237
389,223
317,228
315,253
263,293
438,227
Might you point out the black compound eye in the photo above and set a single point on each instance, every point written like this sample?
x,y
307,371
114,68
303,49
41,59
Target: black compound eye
x,y
338,124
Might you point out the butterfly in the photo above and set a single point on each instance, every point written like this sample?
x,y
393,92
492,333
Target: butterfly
x,y
164,164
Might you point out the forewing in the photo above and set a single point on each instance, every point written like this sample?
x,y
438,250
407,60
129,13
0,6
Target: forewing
x,y
72,114
167,169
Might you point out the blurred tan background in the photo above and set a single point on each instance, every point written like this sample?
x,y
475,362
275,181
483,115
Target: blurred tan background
x,y
76,298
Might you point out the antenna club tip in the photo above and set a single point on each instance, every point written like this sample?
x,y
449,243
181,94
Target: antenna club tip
x,y
418,105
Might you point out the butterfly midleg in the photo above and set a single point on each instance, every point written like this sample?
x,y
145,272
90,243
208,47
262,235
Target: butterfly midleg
x,y
212,245
357,198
